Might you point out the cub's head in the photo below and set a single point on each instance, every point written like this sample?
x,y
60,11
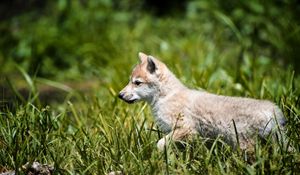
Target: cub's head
x,y
144,80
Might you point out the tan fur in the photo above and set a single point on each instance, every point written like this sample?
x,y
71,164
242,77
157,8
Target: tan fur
x,y
182,112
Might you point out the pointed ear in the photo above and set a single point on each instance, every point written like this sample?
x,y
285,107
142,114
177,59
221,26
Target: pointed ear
x,y
142,57
151,66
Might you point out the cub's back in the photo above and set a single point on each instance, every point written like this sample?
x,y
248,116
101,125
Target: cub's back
x,y
239,108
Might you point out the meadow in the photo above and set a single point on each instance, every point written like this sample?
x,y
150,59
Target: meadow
x,y
62,69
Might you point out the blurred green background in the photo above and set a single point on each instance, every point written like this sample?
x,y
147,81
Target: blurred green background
x,y
80,40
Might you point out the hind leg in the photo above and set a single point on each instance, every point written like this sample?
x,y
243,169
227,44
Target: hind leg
x,y
246,145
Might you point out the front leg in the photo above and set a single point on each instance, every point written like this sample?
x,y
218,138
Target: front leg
x,y
177,135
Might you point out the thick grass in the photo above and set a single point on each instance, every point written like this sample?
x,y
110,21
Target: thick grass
x,y
102,134
97,133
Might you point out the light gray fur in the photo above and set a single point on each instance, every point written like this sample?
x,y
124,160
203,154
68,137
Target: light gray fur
x,y
180,111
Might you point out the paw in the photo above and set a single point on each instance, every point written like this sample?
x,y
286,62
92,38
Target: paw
x,y
161,144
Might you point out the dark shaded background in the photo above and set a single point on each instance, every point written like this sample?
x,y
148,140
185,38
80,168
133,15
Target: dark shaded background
x,y
261,27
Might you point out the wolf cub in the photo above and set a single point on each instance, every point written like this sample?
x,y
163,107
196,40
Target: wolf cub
x,y
181,112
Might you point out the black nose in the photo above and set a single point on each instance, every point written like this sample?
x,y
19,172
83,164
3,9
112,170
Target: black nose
x,y
121,95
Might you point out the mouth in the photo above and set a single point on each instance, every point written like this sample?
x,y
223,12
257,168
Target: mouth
x,y
130,101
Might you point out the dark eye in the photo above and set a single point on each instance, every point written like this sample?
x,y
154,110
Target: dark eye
x,y
137,82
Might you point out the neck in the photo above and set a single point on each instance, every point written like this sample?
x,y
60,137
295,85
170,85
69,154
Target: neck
x,y
169,85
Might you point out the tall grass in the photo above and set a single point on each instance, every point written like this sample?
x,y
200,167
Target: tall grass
x,y
97,137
